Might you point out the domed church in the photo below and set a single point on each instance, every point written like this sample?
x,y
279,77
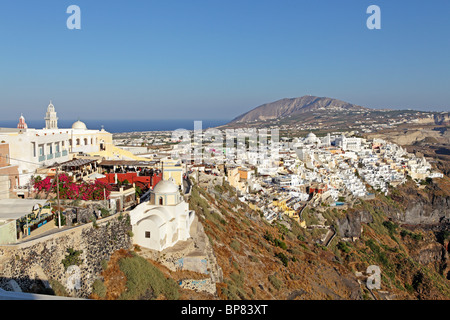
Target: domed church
x,y
162,221
79,125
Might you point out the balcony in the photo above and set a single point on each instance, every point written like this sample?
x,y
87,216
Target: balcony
x,y
64,153
41,158
58,155
49,156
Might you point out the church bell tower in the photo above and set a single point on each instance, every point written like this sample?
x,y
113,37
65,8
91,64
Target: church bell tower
x,y
51,120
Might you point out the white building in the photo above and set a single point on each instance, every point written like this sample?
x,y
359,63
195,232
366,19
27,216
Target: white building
x,y
83,140
348,144
164,220
31,149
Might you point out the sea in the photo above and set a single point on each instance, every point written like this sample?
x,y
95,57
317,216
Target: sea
x,y
118,126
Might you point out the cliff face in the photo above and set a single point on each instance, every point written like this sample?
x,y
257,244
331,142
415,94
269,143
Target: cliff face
x,y
431,253
424,212
351,225
406,234
405,205
430,205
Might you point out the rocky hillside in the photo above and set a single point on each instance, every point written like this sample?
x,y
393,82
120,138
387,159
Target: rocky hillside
x,y
415,136
263,261
283,261
293,107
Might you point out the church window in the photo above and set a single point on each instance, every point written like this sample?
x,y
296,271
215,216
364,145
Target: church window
x,y
147,234
160,201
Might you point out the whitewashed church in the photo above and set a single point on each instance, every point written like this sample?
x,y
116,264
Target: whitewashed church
x,y
162,221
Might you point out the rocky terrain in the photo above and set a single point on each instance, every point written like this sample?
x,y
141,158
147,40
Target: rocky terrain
x,y
321,114
406,234
293,107
415,135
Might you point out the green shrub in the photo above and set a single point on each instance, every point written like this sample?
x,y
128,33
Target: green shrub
x,y
104,264
238,278
235,245
392,227
233,292
283,258
61,217
99,288
275,242
414,236
343,246
105,212
144,279
58,288
373,246
277,283
73,258
280,244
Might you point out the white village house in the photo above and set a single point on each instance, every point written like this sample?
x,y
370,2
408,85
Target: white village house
x,y
162,221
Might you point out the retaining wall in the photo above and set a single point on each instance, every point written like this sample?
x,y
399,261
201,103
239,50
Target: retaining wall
x,y
33,263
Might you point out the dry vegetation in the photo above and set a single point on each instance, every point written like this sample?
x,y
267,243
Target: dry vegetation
x,y
283,260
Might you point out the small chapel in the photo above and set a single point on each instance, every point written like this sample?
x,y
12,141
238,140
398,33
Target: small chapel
x,y
162,221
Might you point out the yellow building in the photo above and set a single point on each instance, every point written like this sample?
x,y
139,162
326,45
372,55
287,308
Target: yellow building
x,y
172,169
234,179
291,213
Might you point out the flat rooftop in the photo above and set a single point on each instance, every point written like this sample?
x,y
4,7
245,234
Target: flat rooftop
x,y
13,209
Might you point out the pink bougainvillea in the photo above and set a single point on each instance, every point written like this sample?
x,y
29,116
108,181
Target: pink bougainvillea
x,y
72,190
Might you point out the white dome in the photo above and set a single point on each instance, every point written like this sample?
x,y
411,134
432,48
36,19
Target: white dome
x,y
165,187
311,135
79,125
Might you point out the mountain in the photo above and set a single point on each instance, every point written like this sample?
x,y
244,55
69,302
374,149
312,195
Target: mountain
x,y
295,106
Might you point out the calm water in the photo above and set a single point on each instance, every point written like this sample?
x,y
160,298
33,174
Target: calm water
x,y
115,126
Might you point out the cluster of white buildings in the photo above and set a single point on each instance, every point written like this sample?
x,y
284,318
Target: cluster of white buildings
x,y
329,168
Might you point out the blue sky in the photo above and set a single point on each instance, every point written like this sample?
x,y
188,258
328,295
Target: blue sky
x,y
211,59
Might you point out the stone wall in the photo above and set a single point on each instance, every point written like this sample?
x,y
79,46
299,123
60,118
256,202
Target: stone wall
x,y
32,265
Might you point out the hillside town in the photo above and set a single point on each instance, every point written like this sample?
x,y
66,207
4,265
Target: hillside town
x,y
54,179
333,170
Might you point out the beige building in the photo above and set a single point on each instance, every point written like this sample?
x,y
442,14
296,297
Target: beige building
x,y
9,174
